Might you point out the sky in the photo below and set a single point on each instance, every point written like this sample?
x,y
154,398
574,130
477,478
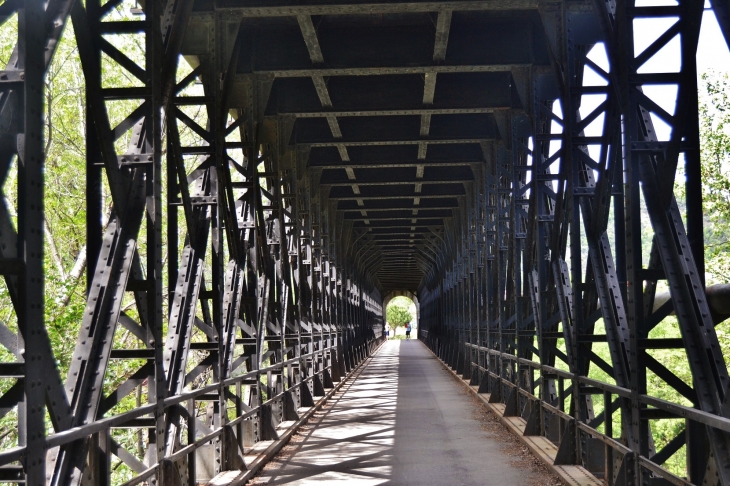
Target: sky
x,y
712,52
713,55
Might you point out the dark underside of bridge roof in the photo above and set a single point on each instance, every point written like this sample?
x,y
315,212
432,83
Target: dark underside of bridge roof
x,y
394,110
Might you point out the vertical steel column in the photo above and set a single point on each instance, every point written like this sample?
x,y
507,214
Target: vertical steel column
x,y
31,295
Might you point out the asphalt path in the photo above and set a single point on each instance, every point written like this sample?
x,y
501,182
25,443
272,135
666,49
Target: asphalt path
x,y
403,420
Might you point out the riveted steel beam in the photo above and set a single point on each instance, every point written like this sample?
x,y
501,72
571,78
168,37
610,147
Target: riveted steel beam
x,y
294,206
261,10
389,70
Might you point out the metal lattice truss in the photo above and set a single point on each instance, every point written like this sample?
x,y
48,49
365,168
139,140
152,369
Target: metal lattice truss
x,y
258,318
295,163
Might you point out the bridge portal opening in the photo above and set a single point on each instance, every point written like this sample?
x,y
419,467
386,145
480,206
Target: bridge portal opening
x,y
397,307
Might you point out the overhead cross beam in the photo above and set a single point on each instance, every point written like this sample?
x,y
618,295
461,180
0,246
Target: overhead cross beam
x,y
435,68
443,25
310,38
444,168
345,8
398,112
419,164
376,143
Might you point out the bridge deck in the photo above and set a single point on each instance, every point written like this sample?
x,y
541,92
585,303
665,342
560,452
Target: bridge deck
x,y
403,420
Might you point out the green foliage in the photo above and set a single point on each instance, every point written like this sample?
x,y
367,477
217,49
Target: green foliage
x,y
715,145
65,127
714,112
65,113
65,235
398,316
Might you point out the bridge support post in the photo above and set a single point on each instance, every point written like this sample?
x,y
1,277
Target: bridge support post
x,y
533,418
307,398
273,223
568,448
168,474
268,423
291,404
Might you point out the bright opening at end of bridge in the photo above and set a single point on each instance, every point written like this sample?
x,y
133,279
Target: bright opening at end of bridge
x,y
401,311
206,206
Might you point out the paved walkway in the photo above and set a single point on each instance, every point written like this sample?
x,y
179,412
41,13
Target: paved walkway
x,y
403,421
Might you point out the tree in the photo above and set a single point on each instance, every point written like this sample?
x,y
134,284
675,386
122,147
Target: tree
x,y
715,142
65,220
398,316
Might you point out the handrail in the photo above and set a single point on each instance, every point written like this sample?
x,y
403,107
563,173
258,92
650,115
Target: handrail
x,y
695,414
87,430
546,371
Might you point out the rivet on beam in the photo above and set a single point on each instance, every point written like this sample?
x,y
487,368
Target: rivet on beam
x,y
429,88
343,152
322,91
334,126
425,124
310,38
443,25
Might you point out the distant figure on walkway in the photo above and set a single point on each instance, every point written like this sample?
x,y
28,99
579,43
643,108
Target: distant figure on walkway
x,y
387,331
408,331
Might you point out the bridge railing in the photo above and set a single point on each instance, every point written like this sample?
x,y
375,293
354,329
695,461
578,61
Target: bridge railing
x,y
592,444
540,415
315,372
572,227
253,280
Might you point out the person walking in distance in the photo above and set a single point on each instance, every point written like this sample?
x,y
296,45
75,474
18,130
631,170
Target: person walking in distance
x,y
408,331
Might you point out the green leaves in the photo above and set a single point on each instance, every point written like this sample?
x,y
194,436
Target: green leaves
x,y
714,113
398,316
400,311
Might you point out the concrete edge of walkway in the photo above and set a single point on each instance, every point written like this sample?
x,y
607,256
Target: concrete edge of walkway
x,y
539,446
256,459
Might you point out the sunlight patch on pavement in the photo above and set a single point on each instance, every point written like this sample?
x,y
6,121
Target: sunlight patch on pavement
x,y
353,441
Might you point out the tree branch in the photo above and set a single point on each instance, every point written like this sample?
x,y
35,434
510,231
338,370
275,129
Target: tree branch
x,y
55,255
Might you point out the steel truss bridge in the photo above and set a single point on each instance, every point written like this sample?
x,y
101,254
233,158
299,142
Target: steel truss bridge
x,y
344,151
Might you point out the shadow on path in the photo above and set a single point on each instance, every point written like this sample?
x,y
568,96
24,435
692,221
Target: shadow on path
x,y
402,421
